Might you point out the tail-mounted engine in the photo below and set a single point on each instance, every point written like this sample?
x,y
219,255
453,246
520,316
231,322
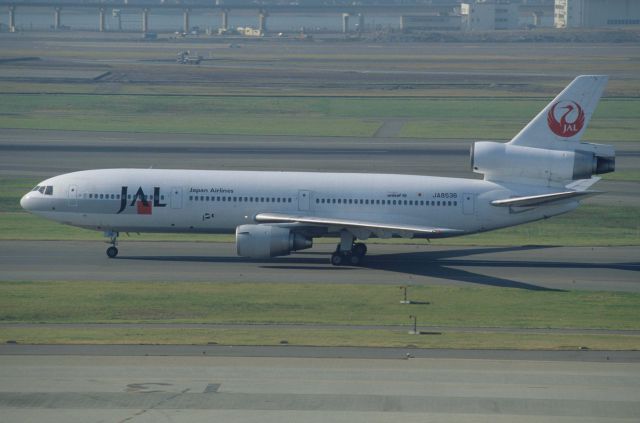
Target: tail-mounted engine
x,y
498,161
263,241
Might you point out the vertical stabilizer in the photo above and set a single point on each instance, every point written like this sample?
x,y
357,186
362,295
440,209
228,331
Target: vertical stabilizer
x,y
560,125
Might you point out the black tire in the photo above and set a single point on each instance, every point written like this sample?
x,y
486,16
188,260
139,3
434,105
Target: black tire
x,y
359,249
355,260
337,259
112,252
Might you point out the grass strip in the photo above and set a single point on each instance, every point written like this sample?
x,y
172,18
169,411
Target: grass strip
x,y
319,337
264,303
309,116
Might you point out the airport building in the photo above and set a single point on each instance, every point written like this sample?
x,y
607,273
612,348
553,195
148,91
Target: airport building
x,y
434,22
596,13
488,15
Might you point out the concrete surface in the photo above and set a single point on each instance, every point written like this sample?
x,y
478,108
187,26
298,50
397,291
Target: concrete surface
x,y
140,389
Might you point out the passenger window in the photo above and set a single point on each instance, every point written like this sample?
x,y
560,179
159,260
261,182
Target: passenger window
x,y
191,198
455,203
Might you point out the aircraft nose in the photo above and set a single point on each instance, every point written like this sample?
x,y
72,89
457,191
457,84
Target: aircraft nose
x,y
24,202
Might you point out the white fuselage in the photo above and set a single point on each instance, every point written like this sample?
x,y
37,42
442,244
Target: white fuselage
x,y
200,201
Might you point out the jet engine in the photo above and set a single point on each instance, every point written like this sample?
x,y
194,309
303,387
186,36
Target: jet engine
x,y
263,241
497,160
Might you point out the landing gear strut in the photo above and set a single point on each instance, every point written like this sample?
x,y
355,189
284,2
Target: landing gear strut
x,y
112,251
348,252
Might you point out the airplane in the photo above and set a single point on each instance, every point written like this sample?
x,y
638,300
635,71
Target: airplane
x,y
544,171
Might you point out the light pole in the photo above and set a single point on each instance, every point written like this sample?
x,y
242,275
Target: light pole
x,y
404,289
415,325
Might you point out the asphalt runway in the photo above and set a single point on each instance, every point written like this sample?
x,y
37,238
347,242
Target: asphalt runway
x,y
93,388
532,268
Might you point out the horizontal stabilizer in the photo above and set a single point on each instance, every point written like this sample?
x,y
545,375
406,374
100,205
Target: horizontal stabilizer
x,y
583,184
543,199
331,221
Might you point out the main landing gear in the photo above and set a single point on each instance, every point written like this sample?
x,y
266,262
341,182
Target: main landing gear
x,y
112,251
348,252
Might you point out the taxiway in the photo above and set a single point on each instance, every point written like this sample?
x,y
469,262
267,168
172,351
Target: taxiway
x,y
528,267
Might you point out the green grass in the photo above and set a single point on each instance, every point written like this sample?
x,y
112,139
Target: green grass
x,y
260,303
303,116
201,302
632,175
318,337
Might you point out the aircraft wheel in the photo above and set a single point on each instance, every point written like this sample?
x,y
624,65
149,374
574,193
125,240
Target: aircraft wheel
x,y
355,260
337,259
112,252
359,249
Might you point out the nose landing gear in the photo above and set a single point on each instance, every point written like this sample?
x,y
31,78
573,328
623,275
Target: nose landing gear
x,y
112,251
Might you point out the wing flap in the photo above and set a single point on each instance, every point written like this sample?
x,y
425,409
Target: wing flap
x,y
352,223
543,199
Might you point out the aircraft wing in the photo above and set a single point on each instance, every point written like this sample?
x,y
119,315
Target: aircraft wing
x,y
543,199
356,224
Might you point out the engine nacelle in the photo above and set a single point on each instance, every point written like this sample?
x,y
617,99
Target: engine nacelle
x,y
497,161
263,241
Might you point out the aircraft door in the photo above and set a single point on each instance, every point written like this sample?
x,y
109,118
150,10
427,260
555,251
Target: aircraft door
x,y
176,197
304,200
72,197
468,203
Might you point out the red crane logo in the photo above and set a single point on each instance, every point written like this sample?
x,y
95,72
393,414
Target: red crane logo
x,y
570,122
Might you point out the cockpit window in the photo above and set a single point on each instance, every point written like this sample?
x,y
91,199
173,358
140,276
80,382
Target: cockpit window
x,y
36,188
48,190
41,189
